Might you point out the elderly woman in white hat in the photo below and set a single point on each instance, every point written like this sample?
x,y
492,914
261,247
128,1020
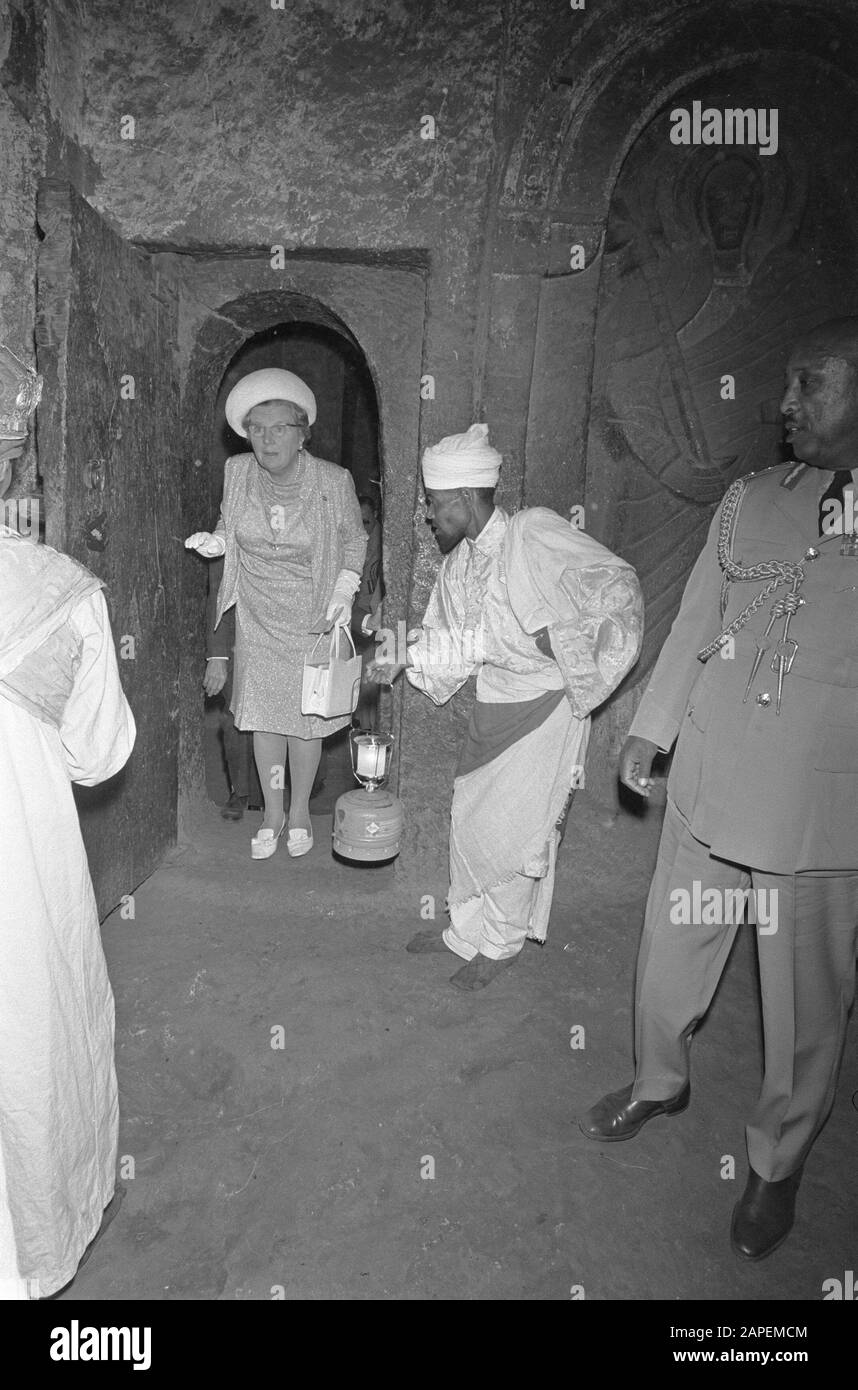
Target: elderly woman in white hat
x,y
293,542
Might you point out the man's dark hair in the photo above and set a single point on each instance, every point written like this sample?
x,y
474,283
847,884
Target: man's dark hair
x,y
835,338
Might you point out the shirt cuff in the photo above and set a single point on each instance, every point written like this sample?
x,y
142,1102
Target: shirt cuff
x,y
660,732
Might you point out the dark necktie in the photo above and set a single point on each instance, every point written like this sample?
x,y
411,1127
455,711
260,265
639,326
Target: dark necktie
x,y
834,523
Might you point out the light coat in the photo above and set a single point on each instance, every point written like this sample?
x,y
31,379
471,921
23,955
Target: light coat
x,y
332,513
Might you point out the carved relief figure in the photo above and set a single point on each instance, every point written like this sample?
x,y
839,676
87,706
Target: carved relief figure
x,y
710,265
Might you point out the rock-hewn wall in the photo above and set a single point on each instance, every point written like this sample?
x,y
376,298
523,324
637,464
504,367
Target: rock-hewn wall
x,y
20,164
254,126
227,129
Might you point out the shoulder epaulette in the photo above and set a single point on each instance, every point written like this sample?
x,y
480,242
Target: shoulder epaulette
x,y
794,472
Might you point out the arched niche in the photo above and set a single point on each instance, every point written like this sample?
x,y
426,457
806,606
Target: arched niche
x,y
626,63
236,323
628,67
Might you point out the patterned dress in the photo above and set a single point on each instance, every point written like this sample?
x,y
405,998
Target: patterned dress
x,y
275,607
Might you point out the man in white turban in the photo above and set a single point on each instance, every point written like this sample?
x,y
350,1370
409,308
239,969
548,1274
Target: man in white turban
x,y
549,621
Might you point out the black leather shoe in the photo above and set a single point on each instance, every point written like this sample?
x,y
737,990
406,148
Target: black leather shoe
x,y
617,1116
234,808
764,1216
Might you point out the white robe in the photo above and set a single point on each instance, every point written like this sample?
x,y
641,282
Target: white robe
x,y
58,1105
491,597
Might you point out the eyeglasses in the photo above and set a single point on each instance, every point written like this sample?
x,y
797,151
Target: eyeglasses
x,y
278,430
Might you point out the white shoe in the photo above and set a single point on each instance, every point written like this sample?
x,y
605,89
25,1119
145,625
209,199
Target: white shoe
x,y
299,842
263,845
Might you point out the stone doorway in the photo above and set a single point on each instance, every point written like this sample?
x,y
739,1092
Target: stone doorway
x,y
134,342
345,432
378,310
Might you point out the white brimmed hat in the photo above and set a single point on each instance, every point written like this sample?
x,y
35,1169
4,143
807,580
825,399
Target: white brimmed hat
x,y
269,384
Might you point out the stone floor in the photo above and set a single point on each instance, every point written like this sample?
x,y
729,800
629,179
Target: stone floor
x,y
304,1169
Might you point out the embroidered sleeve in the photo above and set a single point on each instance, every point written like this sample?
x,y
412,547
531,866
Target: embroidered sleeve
x,y
447,652
44,680
595,648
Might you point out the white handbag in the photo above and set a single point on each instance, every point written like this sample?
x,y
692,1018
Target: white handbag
x,y
331,682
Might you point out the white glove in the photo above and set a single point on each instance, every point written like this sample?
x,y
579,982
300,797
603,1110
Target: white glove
x,y
209,544
339,610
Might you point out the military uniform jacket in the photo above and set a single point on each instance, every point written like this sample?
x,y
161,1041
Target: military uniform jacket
x,y
774,792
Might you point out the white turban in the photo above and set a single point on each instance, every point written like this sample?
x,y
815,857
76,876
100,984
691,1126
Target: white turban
x,y
269,384
462,460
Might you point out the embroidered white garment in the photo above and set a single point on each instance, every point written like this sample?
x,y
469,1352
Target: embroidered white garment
x,y
491,596
521,574
58,1107
470,627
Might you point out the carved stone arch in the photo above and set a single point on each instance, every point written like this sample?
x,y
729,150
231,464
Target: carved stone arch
x,y
574,139
595,107
590,110
236,321
562,171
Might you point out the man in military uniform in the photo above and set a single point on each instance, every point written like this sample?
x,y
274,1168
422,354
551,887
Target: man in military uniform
x,y
757,685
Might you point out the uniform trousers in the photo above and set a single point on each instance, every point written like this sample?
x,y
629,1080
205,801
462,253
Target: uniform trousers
x,y
807,979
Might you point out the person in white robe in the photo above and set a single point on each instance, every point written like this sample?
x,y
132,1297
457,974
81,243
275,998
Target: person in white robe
x,y
549,621
63,719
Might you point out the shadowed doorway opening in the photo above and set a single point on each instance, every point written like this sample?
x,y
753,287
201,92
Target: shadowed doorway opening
x,y
346,431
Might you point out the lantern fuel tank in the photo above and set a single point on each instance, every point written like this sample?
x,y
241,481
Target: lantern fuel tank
x,y
368,825
368,822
